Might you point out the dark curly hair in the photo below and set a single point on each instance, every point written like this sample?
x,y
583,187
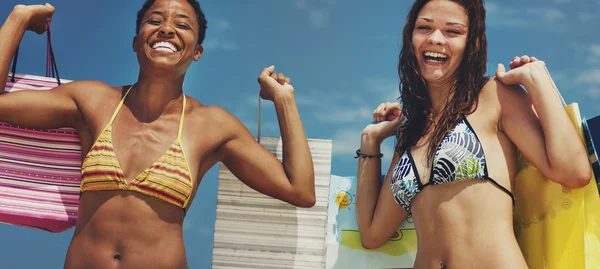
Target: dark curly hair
x,y
199,14
470,79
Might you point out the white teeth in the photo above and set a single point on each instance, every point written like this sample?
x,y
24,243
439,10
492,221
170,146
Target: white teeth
x,y
163,49
164,46
436,55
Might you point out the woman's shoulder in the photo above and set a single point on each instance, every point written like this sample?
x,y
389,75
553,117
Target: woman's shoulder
x,y
500,96
495,98
495,89
498,99
84,89
221,122
210,113
198,109
86,85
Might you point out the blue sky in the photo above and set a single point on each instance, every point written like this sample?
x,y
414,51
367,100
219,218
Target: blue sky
x,y
340,54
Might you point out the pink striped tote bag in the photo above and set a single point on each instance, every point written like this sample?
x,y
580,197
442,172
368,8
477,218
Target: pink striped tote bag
x,y
40,170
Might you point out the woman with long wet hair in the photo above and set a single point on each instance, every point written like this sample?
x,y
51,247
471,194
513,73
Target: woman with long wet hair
x,y
458,135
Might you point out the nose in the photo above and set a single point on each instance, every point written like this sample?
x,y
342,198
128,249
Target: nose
x,y
436,38
167,29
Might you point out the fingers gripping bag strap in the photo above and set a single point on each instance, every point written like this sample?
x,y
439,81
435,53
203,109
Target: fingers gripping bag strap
x,y
51,67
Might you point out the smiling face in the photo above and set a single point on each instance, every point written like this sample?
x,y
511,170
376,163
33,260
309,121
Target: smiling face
x,y
439,39
168,37
444,47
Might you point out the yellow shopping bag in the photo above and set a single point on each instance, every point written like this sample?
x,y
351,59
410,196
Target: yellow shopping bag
x,y
557,227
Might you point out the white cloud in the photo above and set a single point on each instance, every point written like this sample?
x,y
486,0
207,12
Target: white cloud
x,y
345,114
576,46
222,25
347,141
595,49
491,7
586,17
327,108
217,44
311,101
229,46
547,18
388,88
594,91
318,18
301,4
266,127
343,108
548,14
592,54
589,77
559,76
253,100
210,43
333,107
498,15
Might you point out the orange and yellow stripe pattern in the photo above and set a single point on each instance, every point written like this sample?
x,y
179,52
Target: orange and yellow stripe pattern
x,y
168,179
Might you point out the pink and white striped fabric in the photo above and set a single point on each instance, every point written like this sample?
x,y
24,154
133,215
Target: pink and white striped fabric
x,y
40,170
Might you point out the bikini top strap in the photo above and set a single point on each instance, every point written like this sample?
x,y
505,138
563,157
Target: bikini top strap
x,y
181,120
119,106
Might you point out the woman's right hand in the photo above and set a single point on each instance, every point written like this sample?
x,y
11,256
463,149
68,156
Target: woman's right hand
x,y
35,16
387,117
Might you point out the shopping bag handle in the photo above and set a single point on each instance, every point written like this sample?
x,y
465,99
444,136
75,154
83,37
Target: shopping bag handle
x,y
562,100
51,67
258,129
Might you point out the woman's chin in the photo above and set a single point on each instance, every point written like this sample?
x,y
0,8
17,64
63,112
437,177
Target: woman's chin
x,y
433,77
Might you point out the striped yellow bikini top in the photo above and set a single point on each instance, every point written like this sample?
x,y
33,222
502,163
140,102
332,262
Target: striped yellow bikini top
x,y
167,179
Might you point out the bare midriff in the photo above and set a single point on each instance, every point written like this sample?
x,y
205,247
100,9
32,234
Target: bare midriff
x,y
121,229
465,224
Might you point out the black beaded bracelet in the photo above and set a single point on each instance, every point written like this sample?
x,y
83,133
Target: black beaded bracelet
x,y
359,154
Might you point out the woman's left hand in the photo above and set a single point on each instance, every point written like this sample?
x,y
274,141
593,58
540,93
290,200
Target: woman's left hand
x,y
273,84
522,70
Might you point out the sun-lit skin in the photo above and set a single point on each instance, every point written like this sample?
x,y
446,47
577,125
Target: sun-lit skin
x,y
441,29
464,223
119,228
173,22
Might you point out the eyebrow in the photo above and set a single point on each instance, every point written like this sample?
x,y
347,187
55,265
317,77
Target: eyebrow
x,y
178,15
448,23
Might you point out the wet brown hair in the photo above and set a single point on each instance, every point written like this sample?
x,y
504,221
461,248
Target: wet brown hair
x,y
470,78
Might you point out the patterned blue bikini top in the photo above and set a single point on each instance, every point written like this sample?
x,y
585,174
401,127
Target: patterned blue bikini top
x,y
459,157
